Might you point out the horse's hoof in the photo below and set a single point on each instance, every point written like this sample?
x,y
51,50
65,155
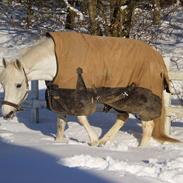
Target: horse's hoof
x,y
58,140
94,143
102,143
61,140
143,144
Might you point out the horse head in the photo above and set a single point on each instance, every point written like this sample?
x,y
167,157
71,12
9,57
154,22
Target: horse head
x,y
15,85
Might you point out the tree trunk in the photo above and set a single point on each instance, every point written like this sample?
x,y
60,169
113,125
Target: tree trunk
x,y
156,13
92,11
121,12
70,18
104,21
126,16
181,2
116,26
29,13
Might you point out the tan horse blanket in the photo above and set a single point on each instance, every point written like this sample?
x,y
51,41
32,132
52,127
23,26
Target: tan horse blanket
x,y
110,67
107,62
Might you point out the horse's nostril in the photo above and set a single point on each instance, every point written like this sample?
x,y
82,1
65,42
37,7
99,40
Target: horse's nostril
x,y
9,115
5,117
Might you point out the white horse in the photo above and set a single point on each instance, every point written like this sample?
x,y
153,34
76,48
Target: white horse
x,y
39,63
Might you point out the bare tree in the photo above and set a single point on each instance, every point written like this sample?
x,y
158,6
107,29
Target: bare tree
x,y
156,13
28,5
70,18
92,12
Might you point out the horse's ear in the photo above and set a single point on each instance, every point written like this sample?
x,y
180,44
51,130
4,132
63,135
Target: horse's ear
x,y
18,64
4,63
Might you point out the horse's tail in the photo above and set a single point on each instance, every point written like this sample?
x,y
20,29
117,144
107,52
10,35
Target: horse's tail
x,y
159,127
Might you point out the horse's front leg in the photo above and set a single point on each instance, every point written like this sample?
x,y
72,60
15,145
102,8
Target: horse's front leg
x,y
91,133
61,122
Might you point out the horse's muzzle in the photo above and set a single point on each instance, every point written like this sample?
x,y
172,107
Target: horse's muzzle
x,y
11,114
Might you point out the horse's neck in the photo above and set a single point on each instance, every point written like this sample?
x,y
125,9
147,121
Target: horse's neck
x,y
39,61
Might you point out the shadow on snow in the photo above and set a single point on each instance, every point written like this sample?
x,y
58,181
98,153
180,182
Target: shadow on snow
x,y
22,164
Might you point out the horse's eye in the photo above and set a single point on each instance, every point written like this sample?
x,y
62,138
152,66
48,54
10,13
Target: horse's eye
x,y
18,85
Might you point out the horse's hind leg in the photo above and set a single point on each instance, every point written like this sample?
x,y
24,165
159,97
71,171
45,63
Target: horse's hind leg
x,y
61,122
147,129
91,133
121,119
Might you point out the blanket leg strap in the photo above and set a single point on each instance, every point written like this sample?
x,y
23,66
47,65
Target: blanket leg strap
x,y
91,133
120,121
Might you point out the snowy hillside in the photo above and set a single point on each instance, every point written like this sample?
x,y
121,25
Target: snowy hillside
x,y
28,152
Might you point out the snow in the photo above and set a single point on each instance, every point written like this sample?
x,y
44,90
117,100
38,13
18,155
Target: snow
x,y
123,7
153,168
74,10
28,152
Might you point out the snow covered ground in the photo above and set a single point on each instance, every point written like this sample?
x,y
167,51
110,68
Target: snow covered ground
x,y
28,152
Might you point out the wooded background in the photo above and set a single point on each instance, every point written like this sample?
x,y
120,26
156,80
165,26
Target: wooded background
x,y
119,18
